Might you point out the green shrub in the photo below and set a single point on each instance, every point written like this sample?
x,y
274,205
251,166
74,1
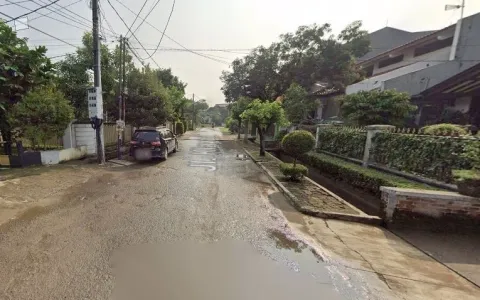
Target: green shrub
x,y
430,156
444,129
343,140
367,179
297,143
310,128
293,172
472,154
179,129
280,135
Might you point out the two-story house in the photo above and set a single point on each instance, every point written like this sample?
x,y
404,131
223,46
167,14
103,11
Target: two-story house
x,y
438,69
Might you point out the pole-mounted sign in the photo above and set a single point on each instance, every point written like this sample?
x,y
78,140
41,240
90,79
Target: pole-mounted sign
x,y
95,103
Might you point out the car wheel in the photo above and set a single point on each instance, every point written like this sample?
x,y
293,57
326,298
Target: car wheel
x,y
165,153
176,148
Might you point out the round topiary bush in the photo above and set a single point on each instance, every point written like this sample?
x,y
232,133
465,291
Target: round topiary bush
x,y
297,143
444,129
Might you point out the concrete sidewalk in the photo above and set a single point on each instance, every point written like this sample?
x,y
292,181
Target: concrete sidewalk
x,y
406,271
460,252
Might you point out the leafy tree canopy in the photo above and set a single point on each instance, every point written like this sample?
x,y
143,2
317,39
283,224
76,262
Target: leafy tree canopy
x,y
264,114
377,107
296,104
309,55
43,114
21,69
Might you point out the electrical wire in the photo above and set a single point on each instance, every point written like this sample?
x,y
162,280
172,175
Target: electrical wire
x,y
134,36
50,17
51,12
41,31
146,17
165,29
134,53
14,3
105,19
35,10
136,17
168,37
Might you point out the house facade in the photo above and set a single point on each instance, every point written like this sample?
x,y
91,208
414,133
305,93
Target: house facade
x,y
423,63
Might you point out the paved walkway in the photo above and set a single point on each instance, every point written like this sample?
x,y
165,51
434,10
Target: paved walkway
x,y
458,251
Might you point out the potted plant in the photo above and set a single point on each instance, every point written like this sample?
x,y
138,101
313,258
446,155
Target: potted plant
x,y
468,181
295,144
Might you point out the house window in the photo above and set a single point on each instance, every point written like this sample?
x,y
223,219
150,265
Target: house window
x,y
390,61
437,45
368,71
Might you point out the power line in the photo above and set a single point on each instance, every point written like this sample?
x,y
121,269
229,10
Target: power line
x,y
165,29
136,17
146,17
105,19
36,29
134,53
46,15
124,23
54,11
14,3
168,37
77,16
26,14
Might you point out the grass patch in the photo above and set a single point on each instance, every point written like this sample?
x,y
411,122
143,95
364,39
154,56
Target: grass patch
x,y
369,180
225,130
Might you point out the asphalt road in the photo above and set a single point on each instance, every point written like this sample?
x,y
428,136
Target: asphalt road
x,y
204,224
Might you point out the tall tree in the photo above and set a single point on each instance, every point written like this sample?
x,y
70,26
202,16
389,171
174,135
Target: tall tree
x,y
236,110
169,80
21,69
148,102
296,104
264,115
309,55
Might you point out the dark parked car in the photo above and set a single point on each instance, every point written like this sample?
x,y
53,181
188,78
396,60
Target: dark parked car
x,y
151,142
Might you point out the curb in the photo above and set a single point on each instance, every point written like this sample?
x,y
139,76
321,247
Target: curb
x,y
293,200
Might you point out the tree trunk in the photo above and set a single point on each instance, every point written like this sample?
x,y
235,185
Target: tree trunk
x,y
294,162
239,127
245,133
262,143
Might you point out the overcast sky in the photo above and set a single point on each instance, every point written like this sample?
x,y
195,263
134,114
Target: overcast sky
x,y
229,24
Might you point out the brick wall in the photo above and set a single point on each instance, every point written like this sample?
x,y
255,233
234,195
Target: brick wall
x,y
439,210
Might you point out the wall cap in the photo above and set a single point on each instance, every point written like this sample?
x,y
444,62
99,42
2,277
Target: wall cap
x,y
380,127
428,194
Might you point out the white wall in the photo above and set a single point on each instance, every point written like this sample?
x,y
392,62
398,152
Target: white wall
x,y
423,62
85,136
408,58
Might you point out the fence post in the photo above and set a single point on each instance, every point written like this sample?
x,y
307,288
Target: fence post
x,y
372,130
317,136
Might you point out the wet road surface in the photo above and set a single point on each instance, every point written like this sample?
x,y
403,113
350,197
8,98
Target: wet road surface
x,y
205,224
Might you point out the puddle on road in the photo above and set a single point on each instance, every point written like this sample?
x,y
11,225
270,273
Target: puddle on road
x,y
220,270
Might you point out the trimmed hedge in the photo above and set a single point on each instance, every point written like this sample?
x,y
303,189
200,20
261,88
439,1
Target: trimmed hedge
x,y
430,156
444,129
344,141
369,180
293,173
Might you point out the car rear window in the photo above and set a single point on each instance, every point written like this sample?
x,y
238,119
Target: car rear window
x,y
146,136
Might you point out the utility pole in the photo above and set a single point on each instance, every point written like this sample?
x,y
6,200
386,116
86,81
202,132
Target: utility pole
x,y
97,120
194,114
458,28
124,98
120,100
